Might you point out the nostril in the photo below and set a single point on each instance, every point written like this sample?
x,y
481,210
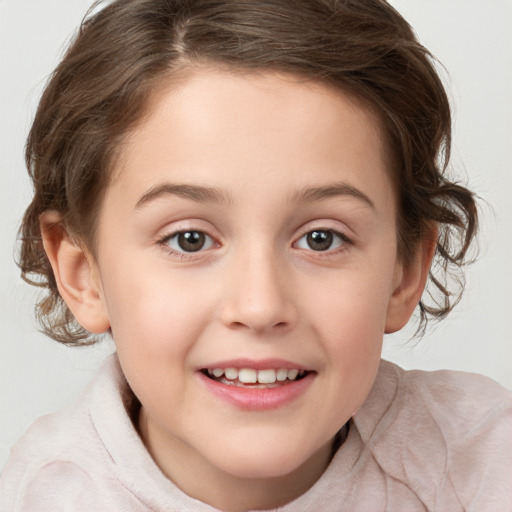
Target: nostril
x,y
258,316
238,325
242,325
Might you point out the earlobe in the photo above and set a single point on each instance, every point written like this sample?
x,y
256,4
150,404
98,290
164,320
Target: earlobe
x,y
410,283
75,273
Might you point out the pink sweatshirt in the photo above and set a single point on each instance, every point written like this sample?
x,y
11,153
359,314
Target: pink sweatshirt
x,y
439,441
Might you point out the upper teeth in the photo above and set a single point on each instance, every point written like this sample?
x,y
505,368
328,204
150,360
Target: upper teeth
x,y
251,376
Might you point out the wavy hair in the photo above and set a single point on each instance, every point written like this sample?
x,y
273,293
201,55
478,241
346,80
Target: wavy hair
x,y
125,48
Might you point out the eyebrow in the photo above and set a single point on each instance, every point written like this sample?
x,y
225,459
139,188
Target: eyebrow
x,y
213,195
310,194
193,192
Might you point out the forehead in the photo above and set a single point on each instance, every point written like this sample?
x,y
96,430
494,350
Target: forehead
x,y
222,128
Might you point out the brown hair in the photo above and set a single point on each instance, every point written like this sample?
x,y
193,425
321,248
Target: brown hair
x,y
364,47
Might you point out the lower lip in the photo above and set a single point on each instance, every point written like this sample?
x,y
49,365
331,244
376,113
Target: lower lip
x,y
258,399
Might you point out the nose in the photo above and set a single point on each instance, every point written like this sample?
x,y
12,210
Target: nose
x,y
259,297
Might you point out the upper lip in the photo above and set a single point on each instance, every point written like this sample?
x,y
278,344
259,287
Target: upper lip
x,y
262,364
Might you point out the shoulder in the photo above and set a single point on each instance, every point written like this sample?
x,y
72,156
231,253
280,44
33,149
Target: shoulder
x,y
52,450
450,431
459,402
54,486
471,416
59,463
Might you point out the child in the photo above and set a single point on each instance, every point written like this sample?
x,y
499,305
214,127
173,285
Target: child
x,y
247,195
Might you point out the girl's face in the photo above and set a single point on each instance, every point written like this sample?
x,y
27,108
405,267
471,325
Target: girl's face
x,y
249,234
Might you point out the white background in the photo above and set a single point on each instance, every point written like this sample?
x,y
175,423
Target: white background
x,y
473,39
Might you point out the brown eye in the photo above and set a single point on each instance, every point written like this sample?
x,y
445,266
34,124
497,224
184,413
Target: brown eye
x,y
321,240
189,241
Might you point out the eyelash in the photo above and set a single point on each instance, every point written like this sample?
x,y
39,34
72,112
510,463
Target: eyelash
x,y
182,254
344,241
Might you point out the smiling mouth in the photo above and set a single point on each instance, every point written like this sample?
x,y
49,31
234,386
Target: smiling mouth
x,y
249,377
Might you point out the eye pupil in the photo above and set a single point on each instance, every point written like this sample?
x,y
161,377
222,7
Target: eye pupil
x,y
320,240
191,241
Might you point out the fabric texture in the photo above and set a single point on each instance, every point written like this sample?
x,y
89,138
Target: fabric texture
x,y
423,441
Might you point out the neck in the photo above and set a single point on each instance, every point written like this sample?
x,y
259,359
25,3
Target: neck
x,y
233,494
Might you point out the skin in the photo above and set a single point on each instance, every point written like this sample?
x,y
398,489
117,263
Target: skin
x,y
257,290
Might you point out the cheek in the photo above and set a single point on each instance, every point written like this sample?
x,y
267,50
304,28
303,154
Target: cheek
x,y
154,315
155,325
353,301
349,315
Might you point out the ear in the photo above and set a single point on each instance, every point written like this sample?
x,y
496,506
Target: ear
x,y
410,282
75,273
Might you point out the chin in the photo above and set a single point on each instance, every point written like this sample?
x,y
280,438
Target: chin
x,y
264,464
